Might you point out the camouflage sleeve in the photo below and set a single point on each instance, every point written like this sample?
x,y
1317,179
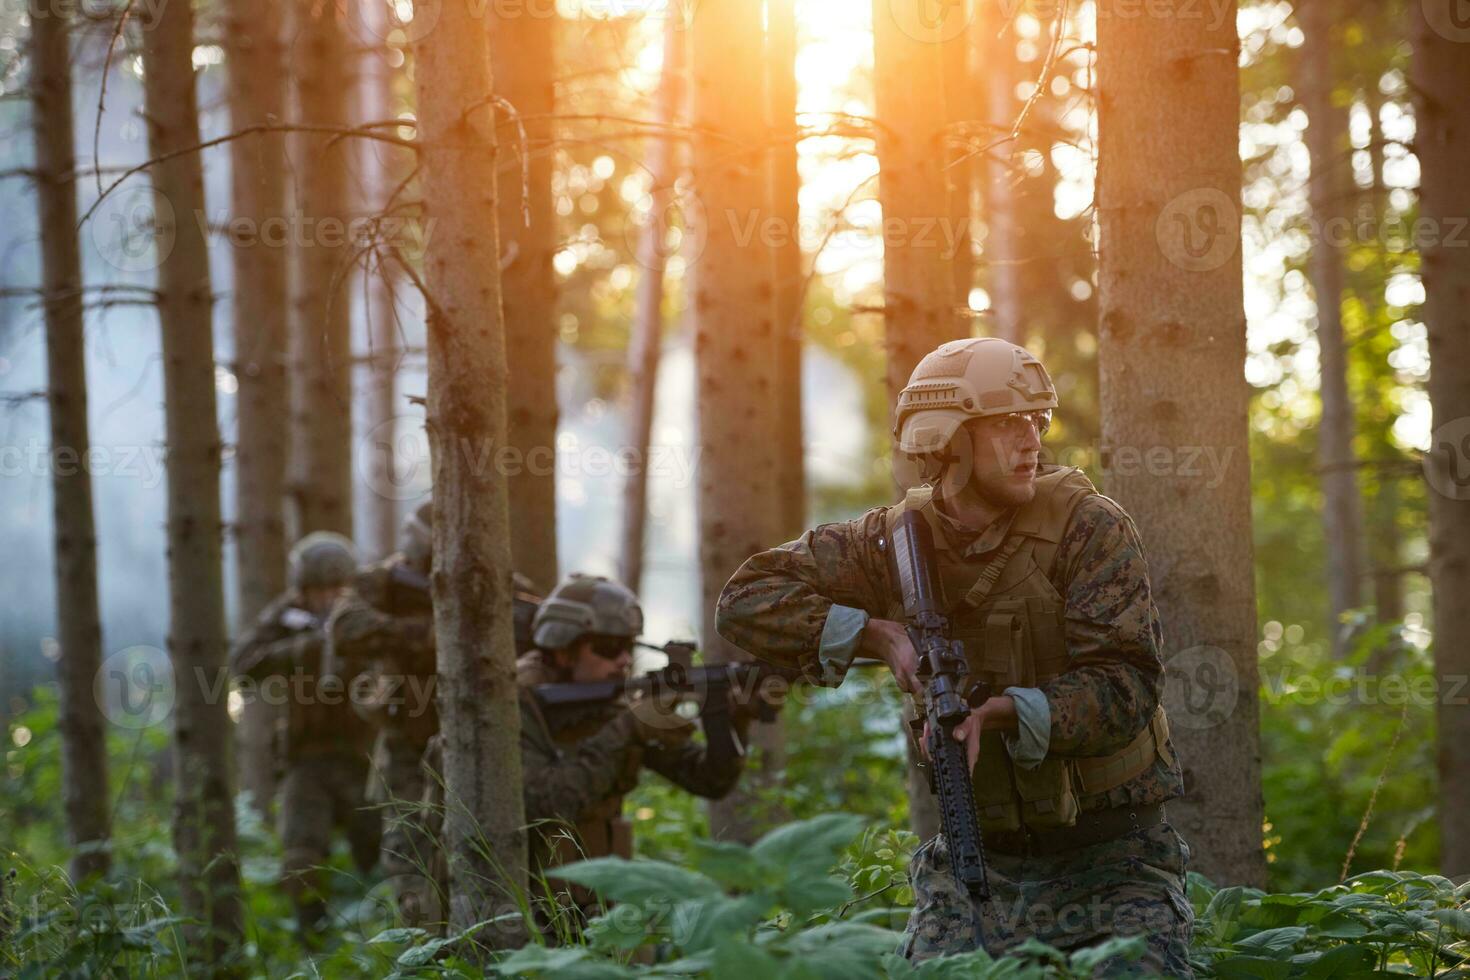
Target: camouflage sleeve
x,y
1113,635
563,785
777,605
688,766
268,647
362,633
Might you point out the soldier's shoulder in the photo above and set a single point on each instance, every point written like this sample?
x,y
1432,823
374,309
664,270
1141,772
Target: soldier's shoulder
x,y
371,582
1098,510
271,613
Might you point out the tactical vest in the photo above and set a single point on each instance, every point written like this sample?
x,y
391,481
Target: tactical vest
x,y
1011,620
601,830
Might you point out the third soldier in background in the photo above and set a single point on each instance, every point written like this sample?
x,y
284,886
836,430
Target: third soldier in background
x,y
324,745
1048,591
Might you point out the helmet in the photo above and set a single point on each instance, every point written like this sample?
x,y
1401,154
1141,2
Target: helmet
x,y
966,379
416,537
584,604
322,559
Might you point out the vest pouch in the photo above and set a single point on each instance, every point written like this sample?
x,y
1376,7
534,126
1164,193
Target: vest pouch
x,y
995,797
1048,793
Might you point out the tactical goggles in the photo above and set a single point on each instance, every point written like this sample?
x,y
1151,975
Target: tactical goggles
x,y
1014,423
611,647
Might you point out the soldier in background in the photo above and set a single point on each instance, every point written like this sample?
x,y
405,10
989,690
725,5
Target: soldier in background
x,y
324,743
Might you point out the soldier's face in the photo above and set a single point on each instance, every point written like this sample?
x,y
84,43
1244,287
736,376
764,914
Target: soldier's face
x,y
1005,451
590,668
319,599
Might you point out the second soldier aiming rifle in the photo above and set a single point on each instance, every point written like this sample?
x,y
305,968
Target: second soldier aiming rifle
x,y
948,698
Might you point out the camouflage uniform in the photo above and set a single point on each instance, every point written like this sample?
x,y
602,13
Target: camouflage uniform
x,y
805,604
383,631
325,750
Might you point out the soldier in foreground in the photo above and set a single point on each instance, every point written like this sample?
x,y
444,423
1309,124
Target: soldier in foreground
x,y
1047,589
324,748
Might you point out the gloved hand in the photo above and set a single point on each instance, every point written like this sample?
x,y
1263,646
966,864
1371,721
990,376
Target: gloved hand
x,y
656,720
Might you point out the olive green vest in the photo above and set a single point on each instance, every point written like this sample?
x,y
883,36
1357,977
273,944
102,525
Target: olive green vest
x,y
1011,619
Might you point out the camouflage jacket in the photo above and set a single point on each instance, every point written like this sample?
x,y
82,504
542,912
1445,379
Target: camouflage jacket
x,y
282,654
805,603
571,777
385,631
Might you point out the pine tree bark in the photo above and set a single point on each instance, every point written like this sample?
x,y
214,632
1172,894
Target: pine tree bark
x,y
79,627
918,309
320,322
646,341
1331,191
479,718
1171,361
1440,77
204,816
522,48
785,183
734,335
255,85
377,178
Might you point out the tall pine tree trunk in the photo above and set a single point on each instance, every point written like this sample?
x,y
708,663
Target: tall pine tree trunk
x,y
647,340
1002,250
485,842
1440,79
785,183
734,339
320,324
204,815
256,91
1331,192
522,48
918,309
79,627
377,179
1172,362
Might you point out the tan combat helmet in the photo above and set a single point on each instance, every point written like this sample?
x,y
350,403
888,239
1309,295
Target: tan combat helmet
x,y
584,604
322,560
966,379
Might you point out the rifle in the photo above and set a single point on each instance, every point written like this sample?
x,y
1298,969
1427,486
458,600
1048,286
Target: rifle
x,y
947,697
410,593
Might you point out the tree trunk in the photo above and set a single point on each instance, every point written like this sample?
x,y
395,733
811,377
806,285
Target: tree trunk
x,y
785,183
204,816
1002,251
734,338
522,48
647,339
83,744
485,842
918,309
1331,191
256,90
320,323
1440,79
377,179
1171,362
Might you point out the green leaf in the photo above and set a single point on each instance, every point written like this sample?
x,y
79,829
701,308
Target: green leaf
x,y
1127,948
737,960
813,893
421,955
732,865
1455,921
1272,941
397,936
696,925
619,880
533,959
808,846
1341,961
1252,968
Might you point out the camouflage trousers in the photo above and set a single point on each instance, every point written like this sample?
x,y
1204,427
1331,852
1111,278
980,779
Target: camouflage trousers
x,y
1133,885
323,791
409,851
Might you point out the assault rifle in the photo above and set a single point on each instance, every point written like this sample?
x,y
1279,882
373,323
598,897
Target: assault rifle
x,y
711,686
409,593
947,697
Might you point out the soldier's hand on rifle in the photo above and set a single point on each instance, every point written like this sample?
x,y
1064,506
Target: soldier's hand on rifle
x,y
885,640
997,713
656,720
